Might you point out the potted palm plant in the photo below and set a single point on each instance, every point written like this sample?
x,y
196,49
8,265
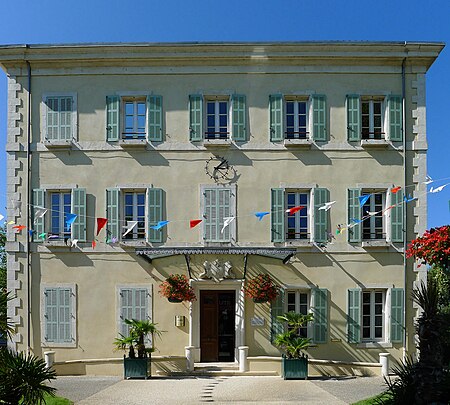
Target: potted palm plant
x,y
176,288
138,362
294,362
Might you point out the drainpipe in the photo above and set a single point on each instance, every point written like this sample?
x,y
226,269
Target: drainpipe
x,y
405,222
28,244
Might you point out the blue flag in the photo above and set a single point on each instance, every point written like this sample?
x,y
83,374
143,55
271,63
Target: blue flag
x,y
159,225
261,215
70,219
363,199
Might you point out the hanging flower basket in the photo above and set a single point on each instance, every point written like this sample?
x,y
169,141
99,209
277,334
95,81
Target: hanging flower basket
x,y
176,288
261,289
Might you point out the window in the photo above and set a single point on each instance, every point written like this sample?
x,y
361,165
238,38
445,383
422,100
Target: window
x,y
134,303
59,203
298,301
146,206
134,210
373,227
131,118
297,222
216,119
306,222
373,302
297,112
298,117
59,320
218,203
220,117
135,113
372,118
59,118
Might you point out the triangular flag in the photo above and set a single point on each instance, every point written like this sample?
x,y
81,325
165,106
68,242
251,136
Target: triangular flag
x,y
1,217
261,215
101,222
437,189
19,227
371,214
363,199
327,205
408,199
70,219
159,225
42,235
428,180
293,210
114,239
39,213
226,221
30,232
94,244
74,243
395,190
129,227
194,222
11,223
53,237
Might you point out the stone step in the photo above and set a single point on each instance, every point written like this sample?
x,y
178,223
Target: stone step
x,y
217,373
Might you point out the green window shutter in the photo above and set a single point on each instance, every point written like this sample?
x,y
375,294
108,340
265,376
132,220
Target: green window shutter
x,y
239,112
38,224
397,297
58,315
112,213
277,215
319,103
155,118
397,216
155,200
209,221
50,315
320,311
79,208
354,315
133,305
276,117
112,118
353,118
195,117
321,196
65,314
216,207
395,118
276,309
354,212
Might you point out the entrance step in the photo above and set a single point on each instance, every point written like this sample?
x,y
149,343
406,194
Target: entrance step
x,y
217,370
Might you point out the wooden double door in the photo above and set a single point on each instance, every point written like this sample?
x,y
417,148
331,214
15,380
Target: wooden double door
x,y
217,325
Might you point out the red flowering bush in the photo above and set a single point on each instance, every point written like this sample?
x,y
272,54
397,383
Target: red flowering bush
x,y
176,287
261,288
432,248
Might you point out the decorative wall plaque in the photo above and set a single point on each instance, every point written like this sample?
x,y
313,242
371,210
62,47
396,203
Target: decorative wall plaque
x,y
217,271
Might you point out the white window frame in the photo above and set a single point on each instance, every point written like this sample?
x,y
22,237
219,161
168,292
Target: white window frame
x,y
232,225
73,306
296,99
122,213
297,291
134,100
385,316
119,288
62,235
371,220
216,99
74,117
384,126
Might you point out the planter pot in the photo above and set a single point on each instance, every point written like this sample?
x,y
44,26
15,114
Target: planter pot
x,y
294,369
175,300
259,300
137,368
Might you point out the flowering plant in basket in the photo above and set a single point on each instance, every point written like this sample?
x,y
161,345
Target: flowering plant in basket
x,y
176,288
261,288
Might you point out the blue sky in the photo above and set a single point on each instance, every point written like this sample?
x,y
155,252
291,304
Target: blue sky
x,y
56,21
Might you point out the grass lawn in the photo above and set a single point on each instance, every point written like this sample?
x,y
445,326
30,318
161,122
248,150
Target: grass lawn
x,y
57,400
371,401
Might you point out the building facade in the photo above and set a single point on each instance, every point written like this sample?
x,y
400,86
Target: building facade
x,y
145,133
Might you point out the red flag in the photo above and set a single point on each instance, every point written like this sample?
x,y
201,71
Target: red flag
x,y
19,227
194,222
101,222
395,189
94,244
293,210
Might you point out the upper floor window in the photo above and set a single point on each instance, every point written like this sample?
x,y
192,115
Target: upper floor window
x,y
60,205
59,117
374,118
217,117
134,118
134,210
297,222
298,117
373,227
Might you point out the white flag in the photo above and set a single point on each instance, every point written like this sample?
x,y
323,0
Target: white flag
x,y
428,180
437,189
226,221
129,227
39,213
327,205
74,243
1,217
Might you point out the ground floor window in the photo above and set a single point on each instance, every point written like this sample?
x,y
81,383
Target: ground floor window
x,y
298,301
373,303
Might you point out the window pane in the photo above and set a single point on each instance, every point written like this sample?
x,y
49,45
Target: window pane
x,y
223,121
302,108
303,199
290,107
141,108
223,107
377,107
129,108
210,107
141,199
365,108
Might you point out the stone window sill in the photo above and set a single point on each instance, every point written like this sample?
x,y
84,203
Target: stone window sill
x,y
133,143
374,345
374,143
58,144
224,143
298,143
375,244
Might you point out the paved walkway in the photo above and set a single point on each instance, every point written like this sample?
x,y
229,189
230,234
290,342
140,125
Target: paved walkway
x,y
218,390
